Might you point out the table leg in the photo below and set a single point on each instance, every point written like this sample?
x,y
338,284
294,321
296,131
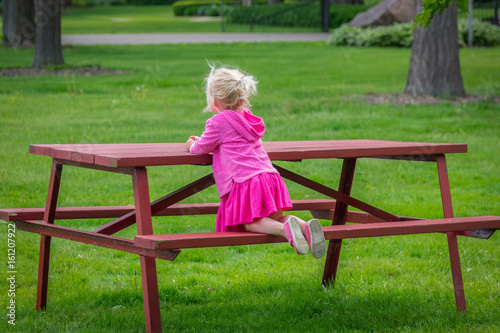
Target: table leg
x,y
456,270
148,264
339,217
48,217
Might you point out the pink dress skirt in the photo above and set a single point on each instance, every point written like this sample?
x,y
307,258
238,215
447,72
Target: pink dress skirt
x,y
253,199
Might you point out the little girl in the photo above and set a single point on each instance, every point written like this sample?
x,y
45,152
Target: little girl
x,y
253,194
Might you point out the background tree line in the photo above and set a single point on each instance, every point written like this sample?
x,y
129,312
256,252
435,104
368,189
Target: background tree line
x,y
38,23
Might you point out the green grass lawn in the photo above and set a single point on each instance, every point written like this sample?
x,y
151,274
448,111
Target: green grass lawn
x,y
131,19
148,19
307,91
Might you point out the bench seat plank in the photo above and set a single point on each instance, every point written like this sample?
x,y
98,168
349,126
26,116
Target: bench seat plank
x,y
214,239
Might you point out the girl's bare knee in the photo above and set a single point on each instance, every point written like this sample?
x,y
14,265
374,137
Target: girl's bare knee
x,y
283,218
250,226
276,215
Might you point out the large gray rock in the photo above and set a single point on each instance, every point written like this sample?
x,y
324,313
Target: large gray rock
x,y
386,13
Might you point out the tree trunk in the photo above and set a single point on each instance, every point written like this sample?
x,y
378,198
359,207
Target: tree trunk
x,y
435,63
48,48
18,22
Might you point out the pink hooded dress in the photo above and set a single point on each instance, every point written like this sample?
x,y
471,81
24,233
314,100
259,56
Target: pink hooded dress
x,y
249,186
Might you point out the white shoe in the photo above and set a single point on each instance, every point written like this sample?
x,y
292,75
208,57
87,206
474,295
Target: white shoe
x,y
315,238
295,236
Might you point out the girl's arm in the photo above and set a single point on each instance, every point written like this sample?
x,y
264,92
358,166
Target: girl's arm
x,y
209,140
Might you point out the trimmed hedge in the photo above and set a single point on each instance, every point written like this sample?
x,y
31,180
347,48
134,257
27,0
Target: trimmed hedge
x,y
398,35
203,7
191,7
401,35
150,2
121,2
297,15
302,16
483,33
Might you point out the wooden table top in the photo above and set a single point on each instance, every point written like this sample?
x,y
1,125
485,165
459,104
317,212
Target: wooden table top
x,y
149,154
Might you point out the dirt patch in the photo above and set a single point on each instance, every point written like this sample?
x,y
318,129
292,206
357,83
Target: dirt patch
x,y
417,100
85,71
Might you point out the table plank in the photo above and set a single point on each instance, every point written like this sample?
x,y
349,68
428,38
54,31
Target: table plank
x,y
149,154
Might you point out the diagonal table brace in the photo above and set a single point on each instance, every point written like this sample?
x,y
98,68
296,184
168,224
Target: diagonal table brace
x,y
339,196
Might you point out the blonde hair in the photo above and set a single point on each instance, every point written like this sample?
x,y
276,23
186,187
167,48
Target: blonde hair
x,y
230,87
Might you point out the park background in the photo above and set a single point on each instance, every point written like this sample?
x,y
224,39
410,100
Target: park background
x,y
307,91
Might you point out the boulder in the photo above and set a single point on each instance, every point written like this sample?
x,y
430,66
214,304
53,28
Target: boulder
x,y
386,13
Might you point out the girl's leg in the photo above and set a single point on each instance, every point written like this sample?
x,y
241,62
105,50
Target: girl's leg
x,y
290,230
266,225
302,223
273,224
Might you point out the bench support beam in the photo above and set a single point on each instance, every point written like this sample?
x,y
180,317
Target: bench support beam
x,y
87,237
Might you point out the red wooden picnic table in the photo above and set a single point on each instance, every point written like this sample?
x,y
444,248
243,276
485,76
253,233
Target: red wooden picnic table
x,y
133,159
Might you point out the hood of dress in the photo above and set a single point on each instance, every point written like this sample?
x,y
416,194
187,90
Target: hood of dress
x,y
249,126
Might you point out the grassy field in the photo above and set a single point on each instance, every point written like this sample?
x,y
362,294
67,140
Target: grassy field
x,y
308,91
131,19
147,19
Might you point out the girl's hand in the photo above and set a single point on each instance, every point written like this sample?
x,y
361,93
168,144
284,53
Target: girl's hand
x,y
191,141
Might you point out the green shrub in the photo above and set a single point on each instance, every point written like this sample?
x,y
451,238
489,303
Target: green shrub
x,y
296,15
89,3
209,10
206,7
150,2
193,7
483,33
401,35
307,15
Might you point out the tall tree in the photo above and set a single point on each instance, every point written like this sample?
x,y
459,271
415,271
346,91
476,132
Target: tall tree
x,y
48,47
435,63
18,22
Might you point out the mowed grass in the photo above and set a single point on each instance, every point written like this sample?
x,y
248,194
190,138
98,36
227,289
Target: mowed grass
x,y
132,19
149,19
307,91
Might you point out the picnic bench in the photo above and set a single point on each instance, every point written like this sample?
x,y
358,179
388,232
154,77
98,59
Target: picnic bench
x,y
134,159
